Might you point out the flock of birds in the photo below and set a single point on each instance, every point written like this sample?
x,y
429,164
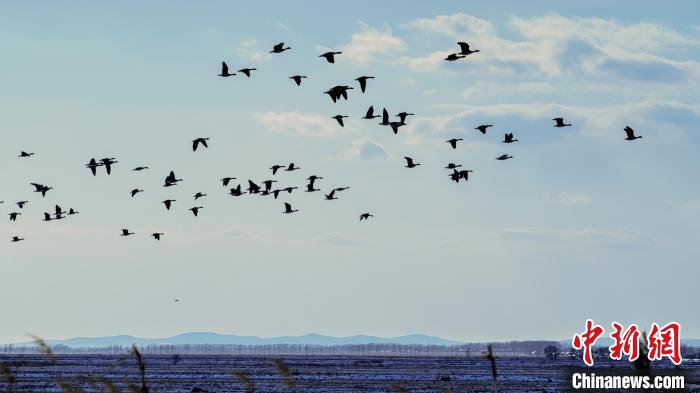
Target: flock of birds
x,y
336,93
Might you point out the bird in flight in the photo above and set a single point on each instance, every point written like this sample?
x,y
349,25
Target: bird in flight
x,y
336,92
168,203
279,48
402,116
453,57
24,154
297,79
339,119
224,70
236,191
331,196
170,180
125,232
58,212
559,122
253,188
198,141
268,184
310,188
395,126
365,216
504,157
135,191
93,166
157,235
453,142
291,167
199,195
464,49
370,113
226,180
140,168
630,134
452,166
13,216
288,208
385,118
108,162
483,128
195,210
508,138
275,168
47,217
246,71
410,163
16,239
21,204
363,82
41,188
72,212
330,56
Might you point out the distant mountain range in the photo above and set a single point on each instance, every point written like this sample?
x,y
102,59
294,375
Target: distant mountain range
x,y
214,338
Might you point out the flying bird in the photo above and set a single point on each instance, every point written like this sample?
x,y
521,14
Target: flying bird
x,y
465,50
170,180
508,138
226,180
108,162
157,235
410,163
452,166
483,128
198,141
331,196
21,204
453,142
385,118
47,217
504,157
559,122
72,212
370,113
310,188
224,70
125,232
140,168
289,189
365,216
268,184
279,48
253,188
41,188
330,56
16,239
363,82
339,119
288,208
199,195
135,191
453,57
58,212
246,71
195,210
13,216
402,116
168,203
236,191
291,167
24,154
93,165
630,134
395,126
297,79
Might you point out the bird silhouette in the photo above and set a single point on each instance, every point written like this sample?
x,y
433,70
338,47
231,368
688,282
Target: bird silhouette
x,y
168,203
125,232
279,48
483,128
198,141
93,165
47,217
297,79
268,184
246,71
289,189
253,188
336,92
140,168
464,174
395,126
108,162
41,188
224,70
288,208
370,113
16,239
465,50
402,116
385,118
559,122
72,212
236,191
504,157
199,195
21,204
157,235
630,134
452,166
365,216
24,154
170,180
226,180
331,195
291,167
508,138
453,142
135,191
410,163
453,57
363,82
342,188
195,210
310,188
339,119
455,176
13,216
330,56
313,178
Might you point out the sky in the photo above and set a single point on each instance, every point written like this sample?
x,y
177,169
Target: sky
x,y
579,224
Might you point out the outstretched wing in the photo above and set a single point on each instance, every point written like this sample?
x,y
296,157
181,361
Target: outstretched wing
x,y
363,84
224,68
385,116
629,131
464,47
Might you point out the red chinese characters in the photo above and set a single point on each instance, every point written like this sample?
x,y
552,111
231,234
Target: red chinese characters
x,y
586,340
626,342
665,342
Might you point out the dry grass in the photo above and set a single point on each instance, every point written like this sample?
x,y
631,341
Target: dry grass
x,y
248,383
492,360
284,372
44,347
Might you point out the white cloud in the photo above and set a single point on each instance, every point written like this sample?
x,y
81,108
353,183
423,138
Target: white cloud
x,y
364,149
574,199
372,44
618,235
300,123
249,49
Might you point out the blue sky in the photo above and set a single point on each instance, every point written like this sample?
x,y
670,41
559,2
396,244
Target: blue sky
x,y
580,224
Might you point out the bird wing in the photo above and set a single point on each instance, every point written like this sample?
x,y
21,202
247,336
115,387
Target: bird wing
x,y
194,144
385,116
629,131
287,207
464,47
370,111
363,84
204,142
409,160
224,68
340,120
